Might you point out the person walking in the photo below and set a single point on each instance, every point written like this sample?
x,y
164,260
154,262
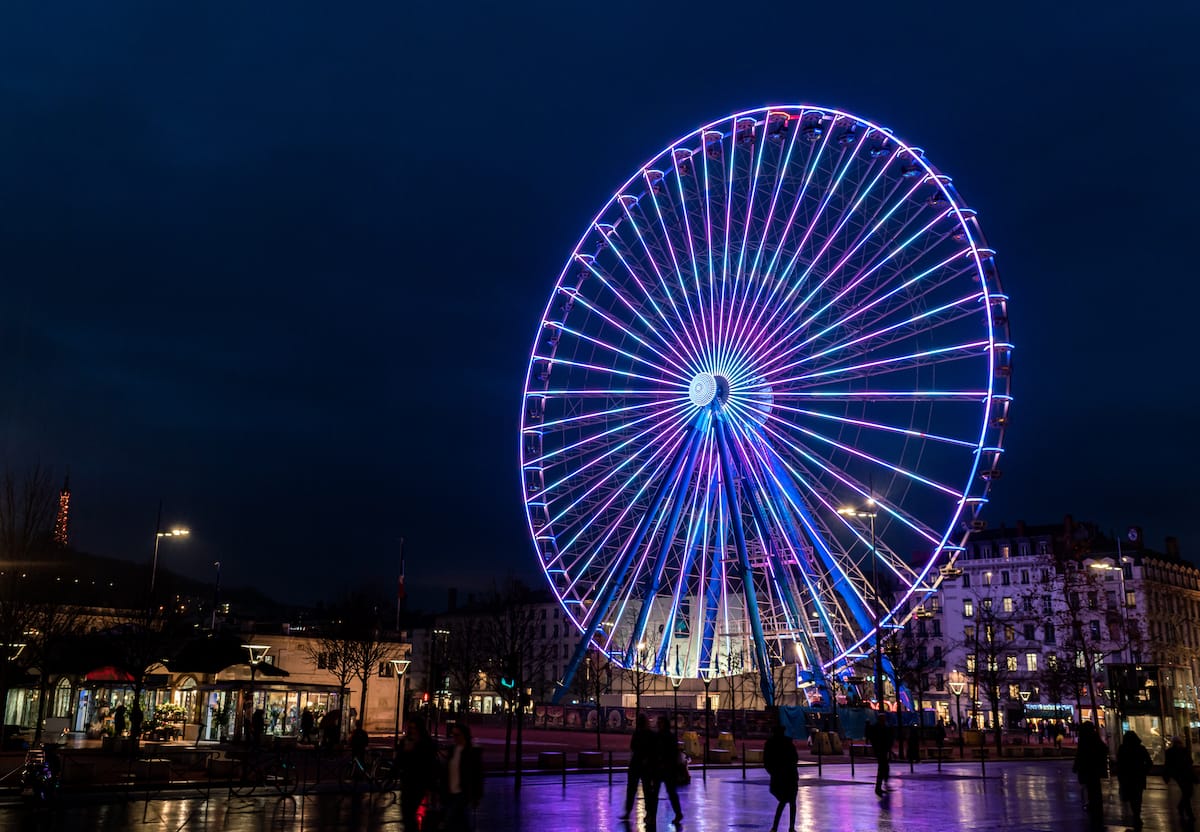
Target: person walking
x,y
780,759
359,740
1178,767
418,766
306,725
464,779
1091,764
1133,764
666,771
882,737
119,721
641,767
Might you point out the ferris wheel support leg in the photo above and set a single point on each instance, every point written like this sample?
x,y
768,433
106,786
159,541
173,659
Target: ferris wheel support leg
x,y
765,679
600,610
669,627
651,589
713,590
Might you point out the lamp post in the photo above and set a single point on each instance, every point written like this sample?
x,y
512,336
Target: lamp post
x,y
216,596
1024,694
158,536
869,513
258,652
399,666
957,686
707,679
676,681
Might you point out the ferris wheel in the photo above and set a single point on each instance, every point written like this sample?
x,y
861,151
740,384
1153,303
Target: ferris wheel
x,y
765,400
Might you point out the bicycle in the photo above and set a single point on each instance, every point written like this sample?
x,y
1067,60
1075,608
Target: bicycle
x,y
377,773
273,769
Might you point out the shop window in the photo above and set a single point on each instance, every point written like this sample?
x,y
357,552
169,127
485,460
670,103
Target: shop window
x,y
62,698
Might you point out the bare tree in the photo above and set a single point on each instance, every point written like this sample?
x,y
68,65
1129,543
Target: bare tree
x,y
336,655
26,521
51,629
465,657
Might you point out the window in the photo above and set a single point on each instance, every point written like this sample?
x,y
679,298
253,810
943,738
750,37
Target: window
x,y
1023,548
937,627
1031,662
1045,576
987,604
1010,662
1110,600
1004,578
1043,547
966,580
1024,576
937,653
935,604
1094,627
1093,600
971,663
1074,599
939,681
985,551
987,578
969,633
1052,662
62,698
1027,603
1030,632
921,628
968,608
1130,599
1079,661
1010,632
1009,605
386,670
1047,607
1005,550
1049,634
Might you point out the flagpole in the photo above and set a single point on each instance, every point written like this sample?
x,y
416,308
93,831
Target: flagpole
x,y
401,591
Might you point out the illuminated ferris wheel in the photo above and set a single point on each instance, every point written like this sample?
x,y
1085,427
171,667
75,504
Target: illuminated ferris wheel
x,y
783,314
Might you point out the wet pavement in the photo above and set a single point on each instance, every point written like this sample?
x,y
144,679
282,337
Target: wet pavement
x,y
1017,796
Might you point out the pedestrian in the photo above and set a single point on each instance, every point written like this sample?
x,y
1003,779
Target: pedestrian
x,y
359,740
882,737
1091,764
666,769
780,759
331,726
464,779
939,737
1178,767
119,721
641,768
257,726
306,725
418,771
1133,764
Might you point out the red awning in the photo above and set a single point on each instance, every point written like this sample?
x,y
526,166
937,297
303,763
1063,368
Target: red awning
x,y
107,674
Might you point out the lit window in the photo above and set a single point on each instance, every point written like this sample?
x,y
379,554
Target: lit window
x,y
1009,605
1010,662
1031,662
968,608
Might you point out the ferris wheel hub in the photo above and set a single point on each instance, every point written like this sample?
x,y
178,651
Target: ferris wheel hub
x,y
703,389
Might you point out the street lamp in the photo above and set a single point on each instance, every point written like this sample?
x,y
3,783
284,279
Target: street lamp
x,y
158,536
706,678
957,686
399,666
258,653
676,681
869,513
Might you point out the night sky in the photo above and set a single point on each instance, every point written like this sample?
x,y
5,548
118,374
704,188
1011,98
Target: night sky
x,y
280,265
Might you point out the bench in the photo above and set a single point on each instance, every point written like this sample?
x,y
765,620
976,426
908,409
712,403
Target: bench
x,y
591,759
552,759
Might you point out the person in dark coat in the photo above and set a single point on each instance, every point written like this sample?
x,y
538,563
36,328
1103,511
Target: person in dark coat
x,y
1133,764
641,767
418,767
882,737
306,725
119,721
779,759
1091,764
258,726
464,779
1178,767
359,740
666,769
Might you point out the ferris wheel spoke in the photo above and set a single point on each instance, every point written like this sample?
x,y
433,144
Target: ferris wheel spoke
x,y
664,371
622,454
583,419
877,426
686,169
697,329
610,237
976,396
947,313
626,331
895,363
653,260
770,308
591,440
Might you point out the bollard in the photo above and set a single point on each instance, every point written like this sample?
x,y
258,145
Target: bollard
x,y
852,758
819,744
743,761
610,764
939,753
564,772
983,761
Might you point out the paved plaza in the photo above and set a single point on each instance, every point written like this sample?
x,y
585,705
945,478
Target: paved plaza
x,y
1017,796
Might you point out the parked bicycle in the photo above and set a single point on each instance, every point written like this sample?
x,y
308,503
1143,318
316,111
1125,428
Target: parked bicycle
x,y
377,773
41,775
